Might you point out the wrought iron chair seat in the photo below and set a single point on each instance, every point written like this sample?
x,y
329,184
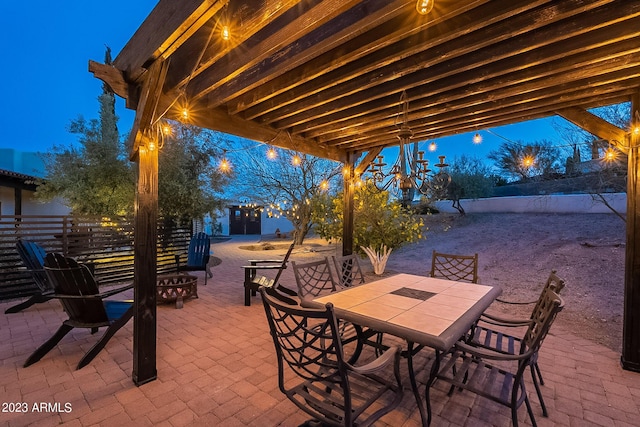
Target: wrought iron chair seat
x,y
313,374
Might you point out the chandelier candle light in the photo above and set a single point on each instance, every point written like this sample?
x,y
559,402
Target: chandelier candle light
x,y
410,171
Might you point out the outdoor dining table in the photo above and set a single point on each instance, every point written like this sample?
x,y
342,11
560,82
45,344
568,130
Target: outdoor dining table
x,y
422,310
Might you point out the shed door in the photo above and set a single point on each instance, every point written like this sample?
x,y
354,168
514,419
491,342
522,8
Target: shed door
x,y
244,220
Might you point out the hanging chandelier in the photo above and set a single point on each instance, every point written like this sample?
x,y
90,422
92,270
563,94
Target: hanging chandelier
x,y
411,169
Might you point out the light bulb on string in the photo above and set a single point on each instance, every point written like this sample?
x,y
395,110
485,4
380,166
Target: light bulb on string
x,y
424,6
528,161
225,33
610,155
271,153
225,165
433,146
477,138
296,160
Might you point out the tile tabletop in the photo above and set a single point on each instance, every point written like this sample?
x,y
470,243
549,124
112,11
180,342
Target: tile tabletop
x,y
425,310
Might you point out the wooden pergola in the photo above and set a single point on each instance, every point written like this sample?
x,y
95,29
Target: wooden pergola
x,y
325,77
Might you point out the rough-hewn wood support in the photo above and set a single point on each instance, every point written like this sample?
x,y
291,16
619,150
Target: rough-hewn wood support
x,y
347,217
368,158
145,152
631,324
596,125
145,263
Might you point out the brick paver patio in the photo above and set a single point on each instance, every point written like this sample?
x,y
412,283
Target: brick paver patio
x,y
216,367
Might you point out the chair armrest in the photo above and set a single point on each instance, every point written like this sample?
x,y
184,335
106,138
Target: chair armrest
x,y
503,321
258,261
392,355
485,353
101,295
516,302
262,267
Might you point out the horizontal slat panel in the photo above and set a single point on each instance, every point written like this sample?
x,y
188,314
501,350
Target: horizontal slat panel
x,y
105,243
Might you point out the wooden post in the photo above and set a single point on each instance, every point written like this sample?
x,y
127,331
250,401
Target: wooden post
x,y
631,321
145,263
347,217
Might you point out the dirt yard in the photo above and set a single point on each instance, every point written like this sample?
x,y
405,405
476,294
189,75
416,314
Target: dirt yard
x,y
517,252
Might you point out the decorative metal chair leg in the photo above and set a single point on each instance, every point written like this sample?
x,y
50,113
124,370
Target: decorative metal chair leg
x,y
538,391
539,373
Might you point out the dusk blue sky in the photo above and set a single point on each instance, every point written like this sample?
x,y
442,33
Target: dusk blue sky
x,y
44,61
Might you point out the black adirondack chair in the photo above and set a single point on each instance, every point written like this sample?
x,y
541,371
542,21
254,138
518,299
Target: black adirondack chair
x,y
254,281
77,291
197,256
32,255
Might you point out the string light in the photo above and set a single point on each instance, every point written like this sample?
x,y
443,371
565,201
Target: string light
x,y
424,6
225,33
433,146
477,138
324,185
225,165
296,160
610,155
528,161
271,153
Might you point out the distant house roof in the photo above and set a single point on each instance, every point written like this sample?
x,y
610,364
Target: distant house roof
x,y
17,180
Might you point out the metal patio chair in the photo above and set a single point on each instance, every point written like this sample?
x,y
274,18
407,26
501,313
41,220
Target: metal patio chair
x,y
348,270
313,373
454,267
493,374
498,333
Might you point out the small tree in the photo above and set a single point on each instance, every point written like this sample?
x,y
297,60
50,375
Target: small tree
x,y
471,178
189,184
95,178
288,182
522,161
380,225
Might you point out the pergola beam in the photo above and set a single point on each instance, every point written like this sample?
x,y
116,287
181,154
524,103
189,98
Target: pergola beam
x,y
167,27
597,126
218,119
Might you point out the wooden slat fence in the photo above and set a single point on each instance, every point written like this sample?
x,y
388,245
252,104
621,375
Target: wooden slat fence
x,y
104,242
